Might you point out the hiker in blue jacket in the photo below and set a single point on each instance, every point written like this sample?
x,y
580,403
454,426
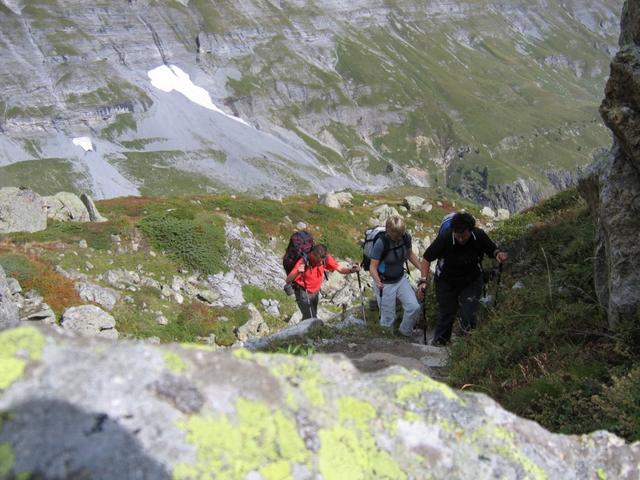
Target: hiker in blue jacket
x,y
389,279
458,279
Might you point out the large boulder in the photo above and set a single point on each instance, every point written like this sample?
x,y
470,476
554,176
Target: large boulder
x,y
8,308
612,184
66,206
94,215
89,321
21,210
78,407
335,200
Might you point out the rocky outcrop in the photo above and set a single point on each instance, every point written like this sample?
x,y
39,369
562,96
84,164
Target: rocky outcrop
x,y
612,185
66,206
8,308
21,210
82,407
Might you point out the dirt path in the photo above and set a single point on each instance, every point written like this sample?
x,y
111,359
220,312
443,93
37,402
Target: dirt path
x,y
376,353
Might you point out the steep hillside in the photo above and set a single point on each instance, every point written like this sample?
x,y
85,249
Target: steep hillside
x,y
495,100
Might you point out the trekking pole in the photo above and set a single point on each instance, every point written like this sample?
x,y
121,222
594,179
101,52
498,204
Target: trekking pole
x,y
424,315
495,304
380,306
364,317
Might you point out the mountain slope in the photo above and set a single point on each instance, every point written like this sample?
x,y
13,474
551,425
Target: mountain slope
x,y
472,95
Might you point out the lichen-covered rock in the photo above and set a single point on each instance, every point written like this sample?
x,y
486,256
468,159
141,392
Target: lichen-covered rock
x,y
136,410
8,308
66,206
21,210
612,185
89,321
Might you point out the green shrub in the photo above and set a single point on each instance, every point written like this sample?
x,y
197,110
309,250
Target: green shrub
x,y
619,405
196,243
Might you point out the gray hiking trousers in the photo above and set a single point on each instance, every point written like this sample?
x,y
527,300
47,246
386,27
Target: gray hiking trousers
x,y
307,302
387,303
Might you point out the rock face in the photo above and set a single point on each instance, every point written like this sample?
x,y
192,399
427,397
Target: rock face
x,y
612,186
161,412
8,308
21,211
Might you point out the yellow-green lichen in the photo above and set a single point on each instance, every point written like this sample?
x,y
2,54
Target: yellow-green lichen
x,y
304,374
174,362
7,459
260,440
198,346
16,347
349,450
414,384
502,442
601,474
243,354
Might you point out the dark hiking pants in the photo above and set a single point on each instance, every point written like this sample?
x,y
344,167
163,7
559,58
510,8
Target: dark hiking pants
x,y
307,302
449,297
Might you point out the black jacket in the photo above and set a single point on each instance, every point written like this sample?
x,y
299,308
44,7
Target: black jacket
x,y
460,264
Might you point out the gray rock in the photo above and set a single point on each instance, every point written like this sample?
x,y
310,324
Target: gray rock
x,y
8,307
139,411
335,200
254,327
65,206
89,321
41,313
299,330
121,279
14,286
413,203
21,211
383,212
228,288
488,212
94,215
104,296
502,214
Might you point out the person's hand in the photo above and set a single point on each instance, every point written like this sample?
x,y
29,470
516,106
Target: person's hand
x,y
301,268
502,257
380,285
355,268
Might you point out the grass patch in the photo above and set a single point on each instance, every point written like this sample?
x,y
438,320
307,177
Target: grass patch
x,y
195,241
97,235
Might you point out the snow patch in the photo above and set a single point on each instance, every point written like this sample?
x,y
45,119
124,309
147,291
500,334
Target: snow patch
x,y
169,78
84,142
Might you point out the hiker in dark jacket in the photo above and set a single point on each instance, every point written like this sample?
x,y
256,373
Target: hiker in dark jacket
x,y
458,278
307,278
389,279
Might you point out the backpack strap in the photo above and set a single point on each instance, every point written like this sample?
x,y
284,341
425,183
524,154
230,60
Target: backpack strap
x,y
388,248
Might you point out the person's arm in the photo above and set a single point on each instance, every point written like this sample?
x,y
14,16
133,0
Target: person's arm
x,y
373,270
334,266
298,269
413,258
492,250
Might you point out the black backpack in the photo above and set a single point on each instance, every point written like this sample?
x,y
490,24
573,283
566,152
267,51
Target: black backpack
x,y
371,235
300,244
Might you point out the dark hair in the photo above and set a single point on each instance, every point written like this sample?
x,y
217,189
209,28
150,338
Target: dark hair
x,y
320,251
462,221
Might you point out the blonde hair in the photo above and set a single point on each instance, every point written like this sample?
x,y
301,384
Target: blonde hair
x,y
395,225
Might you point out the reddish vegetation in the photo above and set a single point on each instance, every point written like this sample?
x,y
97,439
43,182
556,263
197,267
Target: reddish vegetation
x,y
130,206
58,292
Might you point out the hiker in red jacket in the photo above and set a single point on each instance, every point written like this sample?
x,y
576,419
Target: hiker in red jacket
x,y
307,278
